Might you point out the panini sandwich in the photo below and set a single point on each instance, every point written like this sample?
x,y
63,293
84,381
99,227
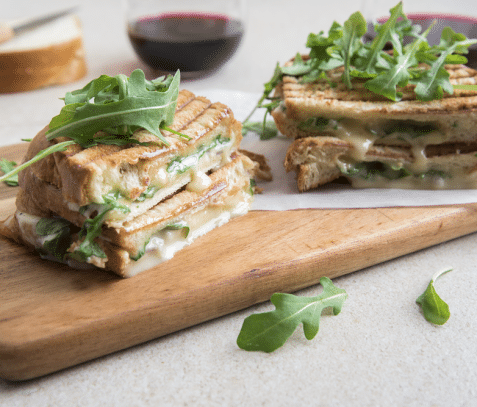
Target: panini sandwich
x,y
126,208
404,117
376,143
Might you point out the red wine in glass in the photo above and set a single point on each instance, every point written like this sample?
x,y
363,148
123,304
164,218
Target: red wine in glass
x,y
195,43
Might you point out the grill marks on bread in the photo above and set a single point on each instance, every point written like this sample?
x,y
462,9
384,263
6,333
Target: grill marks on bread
x,y
77,171
301,99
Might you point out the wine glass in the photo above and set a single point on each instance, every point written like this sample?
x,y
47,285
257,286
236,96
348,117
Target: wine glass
x,y
196,37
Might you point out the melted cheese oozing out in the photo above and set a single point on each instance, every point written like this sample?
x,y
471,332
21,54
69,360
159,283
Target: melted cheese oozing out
x,y
27,224
163,245
170,182
199,182
358,134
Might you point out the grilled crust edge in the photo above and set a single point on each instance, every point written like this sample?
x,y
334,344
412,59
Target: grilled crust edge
x,y
75,176
314,159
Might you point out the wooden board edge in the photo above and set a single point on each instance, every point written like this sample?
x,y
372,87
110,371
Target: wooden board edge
x,y
49,355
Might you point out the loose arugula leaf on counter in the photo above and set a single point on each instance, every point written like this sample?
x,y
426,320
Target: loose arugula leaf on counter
x,y
7,167
435,309
268,331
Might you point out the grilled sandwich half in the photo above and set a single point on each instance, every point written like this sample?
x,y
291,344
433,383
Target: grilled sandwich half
x,y
149,200
374,142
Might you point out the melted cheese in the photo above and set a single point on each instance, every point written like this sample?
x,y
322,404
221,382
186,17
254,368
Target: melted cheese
x,y
169,182
362,137
164,244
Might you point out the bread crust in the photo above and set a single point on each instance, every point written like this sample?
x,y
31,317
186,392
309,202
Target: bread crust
x,y
84,175
316,160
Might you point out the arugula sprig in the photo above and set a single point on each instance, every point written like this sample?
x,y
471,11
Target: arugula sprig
x,y
92,228
115,105
270,330
57,231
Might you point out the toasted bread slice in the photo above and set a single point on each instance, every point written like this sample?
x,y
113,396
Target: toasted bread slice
x,y
320,160
450,119
141,175
156,235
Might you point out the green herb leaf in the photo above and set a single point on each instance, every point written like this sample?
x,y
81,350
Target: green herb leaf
x,y
91,228
432,83
42,154
354,28
182,225
148,193
385,33
386,82
270,330
7,167
182,164
57,231
266,132
117,105
435,310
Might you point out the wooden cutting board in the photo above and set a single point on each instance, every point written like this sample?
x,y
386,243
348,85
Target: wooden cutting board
x,y
52,317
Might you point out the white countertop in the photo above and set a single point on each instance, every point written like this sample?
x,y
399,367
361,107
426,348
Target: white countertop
x,y
378,352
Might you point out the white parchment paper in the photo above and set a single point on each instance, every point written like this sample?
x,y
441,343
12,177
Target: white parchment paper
x,y
282,193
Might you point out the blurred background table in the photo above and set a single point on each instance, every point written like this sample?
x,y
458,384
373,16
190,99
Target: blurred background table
x,y
378,351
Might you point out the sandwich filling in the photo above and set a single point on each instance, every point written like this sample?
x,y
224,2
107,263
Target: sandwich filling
x,y
151,238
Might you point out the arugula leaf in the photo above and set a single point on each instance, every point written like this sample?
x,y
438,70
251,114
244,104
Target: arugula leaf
x,y
372,169
91,228
386,82
385,33
148,193
117,105
267,131
7,167
42,154
182,225
268,331
354,28
433,82
435,310
181,164
59,237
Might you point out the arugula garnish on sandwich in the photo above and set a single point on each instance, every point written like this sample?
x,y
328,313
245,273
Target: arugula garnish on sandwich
x,y
383,71
117,106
